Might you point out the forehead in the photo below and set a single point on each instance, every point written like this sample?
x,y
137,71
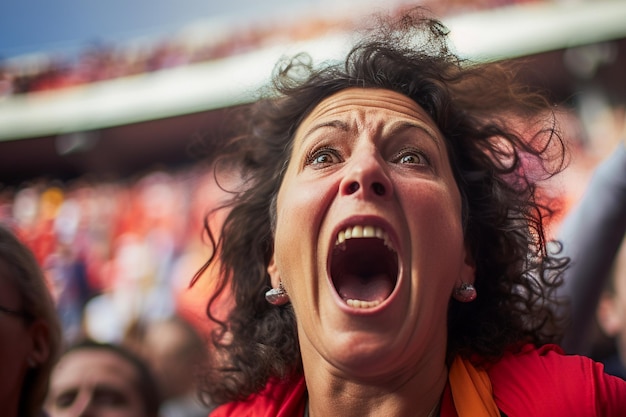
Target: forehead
x,y
371,104
92,366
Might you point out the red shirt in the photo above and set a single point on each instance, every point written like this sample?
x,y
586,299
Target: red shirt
x,y
534,382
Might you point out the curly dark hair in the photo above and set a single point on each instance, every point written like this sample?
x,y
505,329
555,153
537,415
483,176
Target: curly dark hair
x,y
501,138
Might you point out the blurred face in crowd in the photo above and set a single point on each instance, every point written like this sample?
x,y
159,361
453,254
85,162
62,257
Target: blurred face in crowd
x,y
94,383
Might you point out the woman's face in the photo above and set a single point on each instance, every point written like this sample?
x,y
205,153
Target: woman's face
x,y
369,242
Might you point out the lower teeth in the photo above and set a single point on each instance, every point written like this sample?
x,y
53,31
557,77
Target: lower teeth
x,y
362,304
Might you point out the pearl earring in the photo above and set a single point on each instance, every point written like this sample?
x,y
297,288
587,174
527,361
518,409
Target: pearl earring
x,y
277,296
465,293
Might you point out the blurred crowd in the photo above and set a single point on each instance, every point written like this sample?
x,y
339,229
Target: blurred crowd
x,y
118,258
100,61
126,249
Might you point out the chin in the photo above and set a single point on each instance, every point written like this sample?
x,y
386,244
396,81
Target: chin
x,y
363,354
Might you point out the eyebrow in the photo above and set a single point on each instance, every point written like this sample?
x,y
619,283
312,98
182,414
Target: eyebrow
x,y
63,391
305,136
100,386
405,125
394,129
338,124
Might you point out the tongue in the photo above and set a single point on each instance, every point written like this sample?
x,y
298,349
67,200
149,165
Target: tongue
x,y
376,287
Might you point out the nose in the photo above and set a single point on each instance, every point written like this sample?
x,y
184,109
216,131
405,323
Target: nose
x,y
367,175
82,406
87,411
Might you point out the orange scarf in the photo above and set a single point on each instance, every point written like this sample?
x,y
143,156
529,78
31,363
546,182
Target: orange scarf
x,y
471,390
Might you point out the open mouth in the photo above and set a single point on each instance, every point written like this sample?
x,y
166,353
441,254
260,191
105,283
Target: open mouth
x,y
363,266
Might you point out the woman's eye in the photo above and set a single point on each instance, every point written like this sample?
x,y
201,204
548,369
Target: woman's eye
x,y
65,400
110,397
323,157
411,157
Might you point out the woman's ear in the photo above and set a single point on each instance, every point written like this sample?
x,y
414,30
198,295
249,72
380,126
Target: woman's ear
x,y
40,336
609,315
272,270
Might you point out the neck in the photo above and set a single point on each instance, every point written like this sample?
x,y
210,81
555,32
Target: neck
x,y
411,394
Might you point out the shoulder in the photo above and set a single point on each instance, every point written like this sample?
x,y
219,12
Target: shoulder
x,y
544,381
279,398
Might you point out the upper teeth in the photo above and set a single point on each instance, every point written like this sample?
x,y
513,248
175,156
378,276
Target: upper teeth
x,y
360,231
362,304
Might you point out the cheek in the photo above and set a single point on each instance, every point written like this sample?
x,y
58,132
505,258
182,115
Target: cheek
x,y
435,207
300,207
300,211
294,214
434,219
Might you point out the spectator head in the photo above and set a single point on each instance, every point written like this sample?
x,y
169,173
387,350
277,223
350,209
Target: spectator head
x,y
29,321
102,380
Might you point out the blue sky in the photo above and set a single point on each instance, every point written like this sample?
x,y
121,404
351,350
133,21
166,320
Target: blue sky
x,y
30,26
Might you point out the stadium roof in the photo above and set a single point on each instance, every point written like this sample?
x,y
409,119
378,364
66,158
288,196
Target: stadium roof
x,y
502,33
